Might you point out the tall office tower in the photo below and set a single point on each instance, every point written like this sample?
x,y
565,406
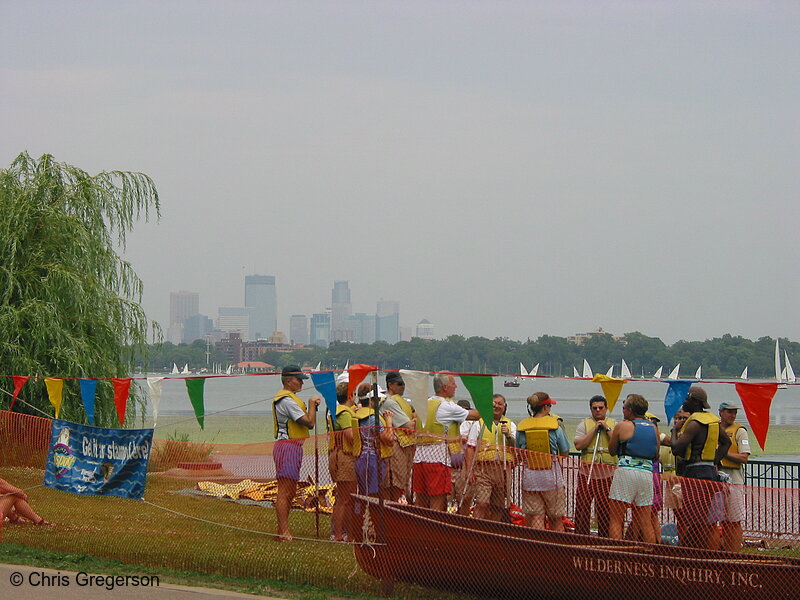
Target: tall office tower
x,y
361,328
341,308
259,294
387,321
182,305
235,319
321,329
425,330
196,328
298,330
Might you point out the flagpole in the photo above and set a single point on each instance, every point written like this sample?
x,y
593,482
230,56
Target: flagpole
x,y
316,470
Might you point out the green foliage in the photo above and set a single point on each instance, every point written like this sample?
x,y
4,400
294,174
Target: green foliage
x,y
69,305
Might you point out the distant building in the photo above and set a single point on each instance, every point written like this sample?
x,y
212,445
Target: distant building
x,y
235,319
341,309
405,334
387,321
182,305
320,330
425,330
260,295
361,328
196,328
579,338
298,329
236,350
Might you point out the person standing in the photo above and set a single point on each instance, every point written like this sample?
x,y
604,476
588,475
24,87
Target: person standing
x,y
635,442
490,461
405,423
544,498
292,422
344,444
596,471
732,465
431,480
703,444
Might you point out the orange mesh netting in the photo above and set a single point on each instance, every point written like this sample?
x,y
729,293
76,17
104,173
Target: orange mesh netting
x,y
209,508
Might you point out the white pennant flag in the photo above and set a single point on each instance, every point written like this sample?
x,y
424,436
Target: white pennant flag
x,y
417,390
154,383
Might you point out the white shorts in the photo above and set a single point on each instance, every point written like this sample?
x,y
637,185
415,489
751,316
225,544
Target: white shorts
x,y
632,486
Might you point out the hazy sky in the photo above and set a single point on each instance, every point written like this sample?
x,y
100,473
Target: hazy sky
x,y
499,168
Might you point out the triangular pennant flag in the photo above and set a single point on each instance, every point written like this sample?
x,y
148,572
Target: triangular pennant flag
x,y
418,390
611,388
757,399
55,392
122,388
676,396
88,391
195,386
325,383
356,374
481,389
19,381
154,383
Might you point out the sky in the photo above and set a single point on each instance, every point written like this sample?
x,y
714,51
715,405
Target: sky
x,y
502,169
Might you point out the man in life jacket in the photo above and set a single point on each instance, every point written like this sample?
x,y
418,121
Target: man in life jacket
x,y
635,443
405,423
732,465
291,422
344,444
671,468
543,489
703,444
596,471
490,462
431,480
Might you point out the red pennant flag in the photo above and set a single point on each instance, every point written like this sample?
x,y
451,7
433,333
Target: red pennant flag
x,y
121,390
756,399
19,381
357,373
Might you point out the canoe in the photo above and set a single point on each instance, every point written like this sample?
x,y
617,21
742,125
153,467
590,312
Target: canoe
x,y
498,560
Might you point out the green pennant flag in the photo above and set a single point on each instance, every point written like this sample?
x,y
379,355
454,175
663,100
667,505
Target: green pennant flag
x,y
195,385
481,389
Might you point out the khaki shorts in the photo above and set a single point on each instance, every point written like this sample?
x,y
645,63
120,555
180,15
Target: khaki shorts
x,y
492,484
341,466
401,464
552,503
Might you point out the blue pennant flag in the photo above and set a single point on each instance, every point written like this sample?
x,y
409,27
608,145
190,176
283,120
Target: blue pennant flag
x,y
325,382
88,390
676,395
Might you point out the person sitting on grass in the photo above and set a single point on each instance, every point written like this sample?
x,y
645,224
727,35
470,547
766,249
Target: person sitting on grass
x,y
14,505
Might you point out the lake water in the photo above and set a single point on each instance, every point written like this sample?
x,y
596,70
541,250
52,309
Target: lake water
x,y
252,394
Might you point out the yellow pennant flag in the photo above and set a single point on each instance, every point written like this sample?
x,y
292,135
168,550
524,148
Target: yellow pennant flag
x,y
611,388
55,391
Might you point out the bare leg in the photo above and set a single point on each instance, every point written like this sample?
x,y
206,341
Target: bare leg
x,y
617,511
644,522
482,510
286,492
18,506
556,524
732,536
439,502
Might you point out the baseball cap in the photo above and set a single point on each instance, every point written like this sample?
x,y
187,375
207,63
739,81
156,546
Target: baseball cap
x,y
394,377
729,406
293,371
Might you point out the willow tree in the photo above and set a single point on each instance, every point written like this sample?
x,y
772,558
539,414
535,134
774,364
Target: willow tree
x,y
69,304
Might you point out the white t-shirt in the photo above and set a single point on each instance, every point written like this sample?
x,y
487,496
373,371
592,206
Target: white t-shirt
x,y
736,475
285,409
448,412
475,431
399,418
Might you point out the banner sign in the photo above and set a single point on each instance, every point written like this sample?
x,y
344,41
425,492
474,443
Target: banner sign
x,y
97,461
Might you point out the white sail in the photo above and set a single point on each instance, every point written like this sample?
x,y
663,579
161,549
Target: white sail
x,y
744,374
610,372
522,370
657,374
777,360
317,368
674,373
534,370
575,372
185,369
229,369
699,373
625,371
587,370
175,369
790,378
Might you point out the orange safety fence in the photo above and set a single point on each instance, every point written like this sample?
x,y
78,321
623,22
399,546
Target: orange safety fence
x,y
517,523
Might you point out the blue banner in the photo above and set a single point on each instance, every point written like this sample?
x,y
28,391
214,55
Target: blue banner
x,y
97,461
676,395
325,382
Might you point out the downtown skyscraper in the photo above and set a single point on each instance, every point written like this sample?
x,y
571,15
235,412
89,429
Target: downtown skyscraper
x,y
260,295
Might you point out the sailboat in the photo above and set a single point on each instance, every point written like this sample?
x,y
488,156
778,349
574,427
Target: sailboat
x,y
610,372
575,372
174,369
185,369
534,370
587,370
625,372
699,373
674,373
522,370
787,369
317,368
744,374
657,374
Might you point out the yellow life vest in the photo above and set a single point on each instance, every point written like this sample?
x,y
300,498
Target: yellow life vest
x,y
709,450
364,413
404,437
293,428
603,455
731,431
492,442
352,448
537,440
433,426
667,459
